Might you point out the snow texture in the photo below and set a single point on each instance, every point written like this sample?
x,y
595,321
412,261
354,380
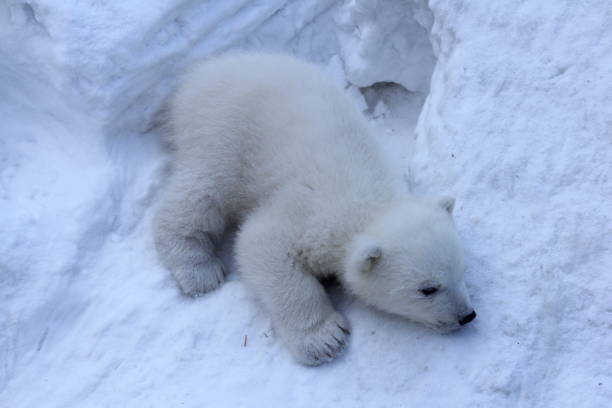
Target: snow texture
x,y
505,104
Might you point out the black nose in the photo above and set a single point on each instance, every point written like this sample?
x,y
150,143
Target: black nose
x,y
467,318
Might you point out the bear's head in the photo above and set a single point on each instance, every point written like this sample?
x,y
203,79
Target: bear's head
x,y
409,262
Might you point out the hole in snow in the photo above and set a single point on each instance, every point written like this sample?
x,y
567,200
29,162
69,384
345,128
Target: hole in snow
x,y
388,55
394,111
392,104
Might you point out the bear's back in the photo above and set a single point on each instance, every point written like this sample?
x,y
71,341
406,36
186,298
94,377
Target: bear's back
x,y
263,120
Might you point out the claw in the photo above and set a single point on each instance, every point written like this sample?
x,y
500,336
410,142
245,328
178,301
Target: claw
x,y
346,331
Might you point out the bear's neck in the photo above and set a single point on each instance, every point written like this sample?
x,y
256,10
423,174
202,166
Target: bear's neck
x,y
341,218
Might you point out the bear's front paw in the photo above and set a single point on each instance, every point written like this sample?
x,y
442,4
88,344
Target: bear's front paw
x,y
320,344
201,278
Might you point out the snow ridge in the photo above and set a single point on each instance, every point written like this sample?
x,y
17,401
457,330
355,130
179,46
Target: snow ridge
x,y
505,105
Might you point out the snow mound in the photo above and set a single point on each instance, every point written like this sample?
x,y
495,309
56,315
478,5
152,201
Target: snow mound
x,y
504,105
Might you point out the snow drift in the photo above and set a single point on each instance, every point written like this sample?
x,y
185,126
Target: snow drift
x,y
505,105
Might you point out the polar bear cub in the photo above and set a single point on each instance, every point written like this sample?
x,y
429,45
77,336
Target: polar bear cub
x,y
268,142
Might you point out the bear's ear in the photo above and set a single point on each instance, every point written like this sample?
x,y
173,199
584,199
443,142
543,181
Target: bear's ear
x,y
369,255
447,203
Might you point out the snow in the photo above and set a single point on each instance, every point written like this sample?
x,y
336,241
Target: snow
x,y
505,105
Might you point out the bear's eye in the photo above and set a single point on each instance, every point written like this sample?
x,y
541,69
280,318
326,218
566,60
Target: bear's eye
x,y
428,291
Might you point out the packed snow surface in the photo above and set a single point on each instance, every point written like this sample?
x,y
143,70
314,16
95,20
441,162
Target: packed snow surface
x,y
506,105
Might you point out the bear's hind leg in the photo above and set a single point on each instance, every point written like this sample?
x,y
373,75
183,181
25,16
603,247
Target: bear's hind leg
x,y
187,226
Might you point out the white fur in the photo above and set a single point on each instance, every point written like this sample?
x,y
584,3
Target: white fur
x,y
266,141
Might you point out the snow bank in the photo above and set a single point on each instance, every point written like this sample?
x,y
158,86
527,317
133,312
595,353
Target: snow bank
x,y
517,126
514,121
